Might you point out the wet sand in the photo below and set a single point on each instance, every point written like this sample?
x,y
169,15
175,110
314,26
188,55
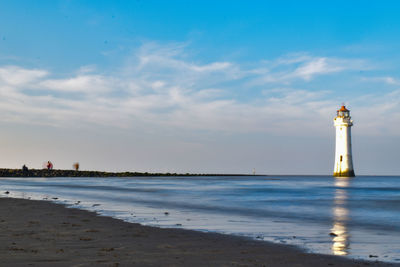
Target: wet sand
x,y
40,233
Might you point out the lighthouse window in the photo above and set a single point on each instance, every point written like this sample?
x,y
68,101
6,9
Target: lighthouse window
x,y
341,158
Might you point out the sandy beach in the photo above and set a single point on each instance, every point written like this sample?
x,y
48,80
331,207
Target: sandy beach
x,y
40,233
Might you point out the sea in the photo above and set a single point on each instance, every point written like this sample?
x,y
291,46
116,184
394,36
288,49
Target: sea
x,y
351,217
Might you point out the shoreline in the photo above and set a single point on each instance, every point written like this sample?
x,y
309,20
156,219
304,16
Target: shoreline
x,y
44,173
48,234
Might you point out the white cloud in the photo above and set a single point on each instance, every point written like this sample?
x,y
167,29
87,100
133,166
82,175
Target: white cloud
x,y
290,68
316,66
162,86
386,79
17,76
80,83
378,114
216,66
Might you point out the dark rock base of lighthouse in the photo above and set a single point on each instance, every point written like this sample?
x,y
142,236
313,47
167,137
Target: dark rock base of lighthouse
x,y
344,174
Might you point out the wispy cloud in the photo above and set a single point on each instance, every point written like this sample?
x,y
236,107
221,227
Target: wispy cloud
x,y
17,76
79,83
378,113
163,86
305,67
384,79
316,66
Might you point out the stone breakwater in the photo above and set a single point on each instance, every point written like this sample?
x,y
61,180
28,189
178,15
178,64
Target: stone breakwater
x,y
73,173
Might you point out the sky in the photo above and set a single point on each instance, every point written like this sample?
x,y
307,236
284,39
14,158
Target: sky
x,y
198,86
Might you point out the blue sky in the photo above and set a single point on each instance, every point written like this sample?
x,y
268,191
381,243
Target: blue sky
x,y
199,86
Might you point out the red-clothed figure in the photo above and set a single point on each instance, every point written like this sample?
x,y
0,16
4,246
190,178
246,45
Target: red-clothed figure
x,y
49,165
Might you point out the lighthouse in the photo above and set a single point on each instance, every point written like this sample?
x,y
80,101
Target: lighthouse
x,y
343,156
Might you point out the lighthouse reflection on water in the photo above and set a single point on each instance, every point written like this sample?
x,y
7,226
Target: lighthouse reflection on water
x,y
341,237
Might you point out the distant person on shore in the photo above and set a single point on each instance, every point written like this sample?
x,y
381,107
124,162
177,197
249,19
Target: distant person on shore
x,y
49,165
25,169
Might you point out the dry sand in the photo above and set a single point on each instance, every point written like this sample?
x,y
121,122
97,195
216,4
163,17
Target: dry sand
x,y
39,233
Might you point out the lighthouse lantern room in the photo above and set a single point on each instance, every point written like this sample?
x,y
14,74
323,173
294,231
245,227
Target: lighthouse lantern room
x,y
343,156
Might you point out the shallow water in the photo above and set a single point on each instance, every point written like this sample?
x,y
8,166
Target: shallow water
x,y
354,217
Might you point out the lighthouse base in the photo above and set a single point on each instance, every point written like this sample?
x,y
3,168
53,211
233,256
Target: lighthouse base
x,y
349,173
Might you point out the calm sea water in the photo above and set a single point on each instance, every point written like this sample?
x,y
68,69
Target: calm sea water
x,y
354,217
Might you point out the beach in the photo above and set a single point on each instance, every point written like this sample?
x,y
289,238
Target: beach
x,y
42,233
355,218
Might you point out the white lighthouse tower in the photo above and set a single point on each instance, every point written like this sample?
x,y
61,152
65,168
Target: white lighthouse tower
x,y
343,157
